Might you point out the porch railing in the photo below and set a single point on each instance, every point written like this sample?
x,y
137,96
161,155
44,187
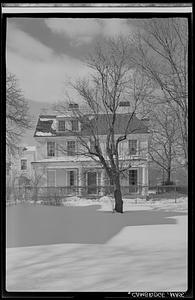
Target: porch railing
x,y
55,195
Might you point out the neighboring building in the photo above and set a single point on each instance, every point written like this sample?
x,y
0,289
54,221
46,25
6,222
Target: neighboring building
x,y
58,149
19,170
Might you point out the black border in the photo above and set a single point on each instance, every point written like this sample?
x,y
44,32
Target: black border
x,y
77,295
98,4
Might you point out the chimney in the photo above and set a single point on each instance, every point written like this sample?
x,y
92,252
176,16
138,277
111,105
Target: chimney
x,y
73,106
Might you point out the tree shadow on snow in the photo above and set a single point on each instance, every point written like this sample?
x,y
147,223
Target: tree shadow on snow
x,y
44,225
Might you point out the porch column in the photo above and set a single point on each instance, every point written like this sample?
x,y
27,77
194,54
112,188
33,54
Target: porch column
x,y
80,181
147,180
102,182
144,180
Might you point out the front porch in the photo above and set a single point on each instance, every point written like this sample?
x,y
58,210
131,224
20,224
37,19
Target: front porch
x,y
91,181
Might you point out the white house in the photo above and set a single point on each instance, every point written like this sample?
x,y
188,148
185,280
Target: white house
x,y
60,159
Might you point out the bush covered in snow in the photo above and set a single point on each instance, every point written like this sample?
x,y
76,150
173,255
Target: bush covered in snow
x,y
107,203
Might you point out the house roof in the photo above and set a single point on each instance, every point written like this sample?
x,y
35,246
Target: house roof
x,y
46,125
101,124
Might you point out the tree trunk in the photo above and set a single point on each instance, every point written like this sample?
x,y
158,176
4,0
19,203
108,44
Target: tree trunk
x,y
168,180
118,195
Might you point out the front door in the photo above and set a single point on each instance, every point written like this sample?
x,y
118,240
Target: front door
x,y
71,181
132,181
92,182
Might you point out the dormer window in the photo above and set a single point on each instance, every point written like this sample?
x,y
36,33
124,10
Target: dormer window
x,y
74,125
61,125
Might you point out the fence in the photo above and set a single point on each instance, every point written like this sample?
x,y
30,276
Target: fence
x,y
171,188
55,195
167,191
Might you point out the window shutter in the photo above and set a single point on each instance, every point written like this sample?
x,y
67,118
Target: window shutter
x,y
84,178
68,125
138,147
63,151
60,147
99,178
143,148
51,178
57,149
60,177
125,148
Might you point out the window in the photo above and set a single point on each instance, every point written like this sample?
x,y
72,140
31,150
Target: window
x,y
132,177
50,148
23,164
132,147
74,125
71,147
61,125
72,178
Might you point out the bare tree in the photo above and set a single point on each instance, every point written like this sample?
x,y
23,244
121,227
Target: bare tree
x,y
111,80
17,114
163,148
36,181
162,54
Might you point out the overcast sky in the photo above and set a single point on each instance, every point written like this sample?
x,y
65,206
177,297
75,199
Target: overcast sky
x,y
46,53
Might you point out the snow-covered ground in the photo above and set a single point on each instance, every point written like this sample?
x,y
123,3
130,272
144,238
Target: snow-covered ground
x,y
107,203
141,256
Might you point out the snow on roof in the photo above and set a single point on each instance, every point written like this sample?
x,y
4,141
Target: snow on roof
x,y
50,117
66,159
47,125
46,119
54,125
31,148
77,158
66,115
25,147
40,133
